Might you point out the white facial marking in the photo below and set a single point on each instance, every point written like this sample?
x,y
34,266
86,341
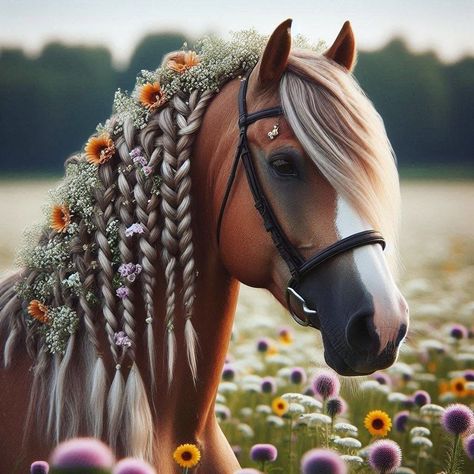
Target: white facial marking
x,y
374,273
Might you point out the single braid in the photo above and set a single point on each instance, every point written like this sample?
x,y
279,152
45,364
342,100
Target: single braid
x,y
169,235
188,118
125,211
148,214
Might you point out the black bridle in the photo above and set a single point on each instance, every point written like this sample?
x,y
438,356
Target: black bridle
x,y
298,266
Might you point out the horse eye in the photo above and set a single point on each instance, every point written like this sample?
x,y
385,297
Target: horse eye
x,y
284,167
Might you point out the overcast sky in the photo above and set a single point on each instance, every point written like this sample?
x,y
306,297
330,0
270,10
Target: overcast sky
x,y
443,25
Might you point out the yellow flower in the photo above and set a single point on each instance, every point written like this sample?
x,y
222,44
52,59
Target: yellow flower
x,y
151,95
187,455
279,406
458,387
39,311
60,218
99,149
181,61
285,336
378,423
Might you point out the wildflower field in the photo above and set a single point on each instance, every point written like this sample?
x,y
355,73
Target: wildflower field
x,y
277,401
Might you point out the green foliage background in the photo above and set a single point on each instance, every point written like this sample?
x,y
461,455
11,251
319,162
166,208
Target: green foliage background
x,y
49,105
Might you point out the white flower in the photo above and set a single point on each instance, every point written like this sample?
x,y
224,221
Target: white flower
x,y
373,385
348,443
421,441
264,409
295,409
397,397
227,387
319,419
246,412
311,403
293,397
346,428
419,431
352,459
430,409
245,430
275,420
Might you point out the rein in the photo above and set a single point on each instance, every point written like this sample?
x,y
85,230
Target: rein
x,y
298,266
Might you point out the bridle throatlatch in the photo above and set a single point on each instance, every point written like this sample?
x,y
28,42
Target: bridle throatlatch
x,y
298,266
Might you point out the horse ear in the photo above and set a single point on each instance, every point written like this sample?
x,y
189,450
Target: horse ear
x,y
273,61
343,50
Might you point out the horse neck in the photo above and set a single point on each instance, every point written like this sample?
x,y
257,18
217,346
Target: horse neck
x,y
216,290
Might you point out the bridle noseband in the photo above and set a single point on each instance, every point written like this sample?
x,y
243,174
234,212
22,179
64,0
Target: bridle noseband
x,y
298,266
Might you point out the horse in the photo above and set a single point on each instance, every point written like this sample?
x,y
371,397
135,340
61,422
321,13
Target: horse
x,y
294,189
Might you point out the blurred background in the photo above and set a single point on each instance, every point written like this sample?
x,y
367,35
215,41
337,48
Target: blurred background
x,y
61,62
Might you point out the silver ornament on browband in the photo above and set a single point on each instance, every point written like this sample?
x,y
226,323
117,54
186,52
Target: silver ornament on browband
x,y
274,133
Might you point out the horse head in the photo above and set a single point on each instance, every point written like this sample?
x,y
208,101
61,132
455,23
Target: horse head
x,y
321,172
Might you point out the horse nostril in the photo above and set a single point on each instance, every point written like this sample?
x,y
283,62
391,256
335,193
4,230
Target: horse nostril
x,y
361,335
402,332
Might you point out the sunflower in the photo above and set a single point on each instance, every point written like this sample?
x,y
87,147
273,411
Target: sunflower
x,y
279,406
99,149
458,387
39,311
151,95
60,218
378,423
187,455
181,61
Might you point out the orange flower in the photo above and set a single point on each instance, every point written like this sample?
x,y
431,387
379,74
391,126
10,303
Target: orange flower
x,y
443,387
60,218
39,311
458,387
99,149
181,61
151,95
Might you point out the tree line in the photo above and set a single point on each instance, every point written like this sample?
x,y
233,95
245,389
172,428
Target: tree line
x,y
50,104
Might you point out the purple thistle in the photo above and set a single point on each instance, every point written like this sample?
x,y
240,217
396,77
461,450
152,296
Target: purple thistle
x,y
382,378
385,456
228,373
326,384
268,385
263,453
400,420
335,406
322,461
39,467
310,392
469,446
458,419
421,397
469,375
122,292
82,452
298,376
263,345
458,331
133,466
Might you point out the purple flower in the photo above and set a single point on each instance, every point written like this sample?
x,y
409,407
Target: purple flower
x,y
228,372
134,229
122,340
469,446
263,453
326,384
133,466
335,406
122,292
263,345
147,170
132,277
135,153
310,392
458,419
421,397
268,385
297,375
382,378
385,456
82,452
237,450
322,461
469,375
39,467
400,420
458,331
126,269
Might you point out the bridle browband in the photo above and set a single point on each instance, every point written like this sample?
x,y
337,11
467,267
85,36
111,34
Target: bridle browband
x,y
297,265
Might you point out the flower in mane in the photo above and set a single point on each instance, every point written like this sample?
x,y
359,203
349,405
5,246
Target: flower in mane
x,y
181,61
38,311
99,149
60,218
151,95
